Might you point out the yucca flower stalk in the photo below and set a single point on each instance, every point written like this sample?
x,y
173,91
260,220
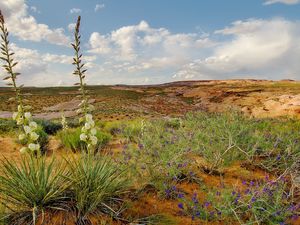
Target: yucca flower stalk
x,y
64,122
89,131
22,116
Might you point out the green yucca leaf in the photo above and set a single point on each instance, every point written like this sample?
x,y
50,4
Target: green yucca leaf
x,y
97,184
34,185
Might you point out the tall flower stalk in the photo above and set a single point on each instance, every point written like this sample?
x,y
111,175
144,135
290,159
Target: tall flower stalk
x,y
88,131
23,118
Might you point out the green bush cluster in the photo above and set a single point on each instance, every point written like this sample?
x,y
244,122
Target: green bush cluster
x,y
70,138
7,126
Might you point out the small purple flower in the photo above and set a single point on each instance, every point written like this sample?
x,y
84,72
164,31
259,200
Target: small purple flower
x,y
180,206
294,217
278,157
180,195
194,198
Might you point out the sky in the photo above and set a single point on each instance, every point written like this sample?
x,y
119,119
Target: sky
x,y
157,41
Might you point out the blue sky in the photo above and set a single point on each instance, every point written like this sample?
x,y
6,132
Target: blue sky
x,y
147,42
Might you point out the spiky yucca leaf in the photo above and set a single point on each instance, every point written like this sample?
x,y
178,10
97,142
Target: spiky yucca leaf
x,y
30,188
97,185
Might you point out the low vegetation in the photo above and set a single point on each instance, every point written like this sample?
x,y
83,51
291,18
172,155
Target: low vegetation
x,y
196,168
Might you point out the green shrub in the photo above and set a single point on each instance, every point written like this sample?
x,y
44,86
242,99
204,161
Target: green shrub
x,y
133,130
70,138
32,187
114,128
96,184
159,158
173,123
7,125
49,127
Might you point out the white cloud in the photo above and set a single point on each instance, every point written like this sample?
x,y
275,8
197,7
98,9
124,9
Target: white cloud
x,y
24,26
44,69
98,7
75,10
258,49
288,2
141,42
34,9
71,27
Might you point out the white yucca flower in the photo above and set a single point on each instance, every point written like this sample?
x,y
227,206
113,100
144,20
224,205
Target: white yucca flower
x,y
33,125
20,120
27,129
83,137
87,126
34,136
27,115
89,117
93,131
22,137
32,146
94,140
15,115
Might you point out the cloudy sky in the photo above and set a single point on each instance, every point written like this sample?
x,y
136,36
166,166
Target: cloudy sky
x,y
148,42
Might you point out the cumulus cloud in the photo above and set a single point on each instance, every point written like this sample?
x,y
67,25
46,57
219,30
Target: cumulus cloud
x,y
288,2
75,10
98,7
142,46
44,69
24,26
257,49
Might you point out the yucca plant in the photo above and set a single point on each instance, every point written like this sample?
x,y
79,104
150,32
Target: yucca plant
x,y
22,117
97,186
29,189
89,131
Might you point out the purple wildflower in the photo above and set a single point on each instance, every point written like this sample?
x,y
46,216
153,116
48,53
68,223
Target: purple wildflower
x,y
180,206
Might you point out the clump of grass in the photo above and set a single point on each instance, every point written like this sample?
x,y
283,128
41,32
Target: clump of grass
x,y
97,185
70,138
29,189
